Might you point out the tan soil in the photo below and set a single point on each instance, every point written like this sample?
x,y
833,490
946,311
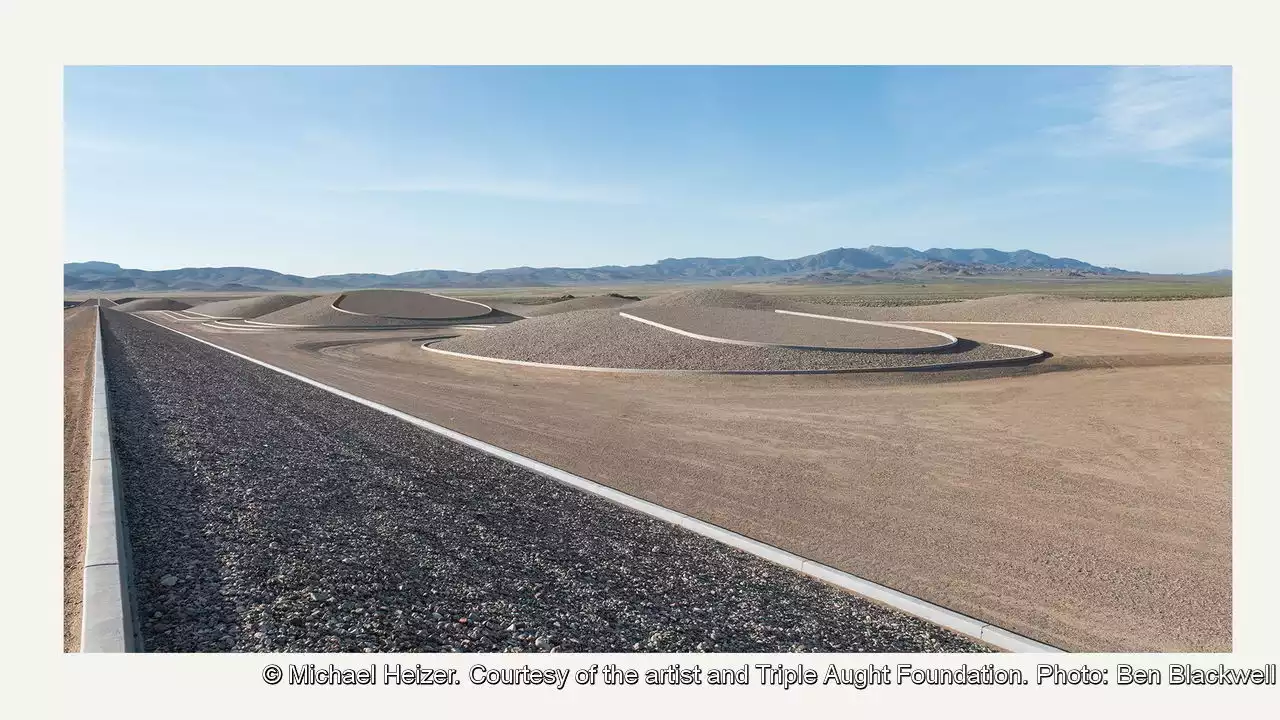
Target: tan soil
x,y
79,330
1085,501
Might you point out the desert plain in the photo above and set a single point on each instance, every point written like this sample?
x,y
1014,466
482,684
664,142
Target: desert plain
x,y
1050,468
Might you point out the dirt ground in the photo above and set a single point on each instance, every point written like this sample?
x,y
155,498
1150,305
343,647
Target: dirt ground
x,y
79,329
1084,501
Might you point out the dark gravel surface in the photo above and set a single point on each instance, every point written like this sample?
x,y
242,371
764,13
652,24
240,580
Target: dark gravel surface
x,y
603,338
268,515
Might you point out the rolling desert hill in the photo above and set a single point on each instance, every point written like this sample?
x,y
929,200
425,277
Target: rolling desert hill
x,y
837,265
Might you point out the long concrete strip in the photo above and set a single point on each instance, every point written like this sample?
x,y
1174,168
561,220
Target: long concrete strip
x,y
107,622
918,607
426,325
951,341
1032,355
210,317
1065,325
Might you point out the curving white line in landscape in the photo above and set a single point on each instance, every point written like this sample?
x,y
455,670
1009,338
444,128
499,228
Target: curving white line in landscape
x,y
212,317
426,324
338,299
1070,325
918,607
172,315
219,326
951,340
1035,353
185,316
286,325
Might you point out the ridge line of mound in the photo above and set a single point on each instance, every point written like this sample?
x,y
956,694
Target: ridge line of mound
x,y
152,304
250,307
399,304
590,302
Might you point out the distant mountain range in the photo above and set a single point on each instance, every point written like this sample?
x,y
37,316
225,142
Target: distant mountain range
x,y
868,264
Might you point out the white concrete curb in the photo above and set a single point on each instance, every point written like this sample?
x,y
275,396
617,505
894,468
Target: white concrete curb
x,y
107,622
1035,353
223,327
951,339
984,631
426,325
755,343
1067,325
177,316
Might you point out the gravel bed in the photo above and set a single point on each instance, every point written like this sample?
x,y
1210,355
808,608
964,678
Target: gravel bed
x,y
268,515
770,327
595,302
1206,316
152,304
716,297
602,338
250,307
409,304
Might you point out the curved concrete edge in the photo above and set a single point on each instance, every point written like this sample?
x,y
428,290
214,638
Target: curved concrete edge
x,y
1070,325
211,317
285,325
177,316
107,618
950,619
821,348
487,309
425,325
952,340
1034,354
222,326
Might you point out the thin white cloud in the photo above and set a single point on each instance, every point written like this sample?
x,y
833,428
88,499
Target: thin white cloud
x,y
534,190
871,199
1166,115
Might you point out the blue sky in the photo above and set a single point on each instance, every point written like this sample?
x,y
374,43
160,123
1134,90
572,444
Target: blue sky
x,y
367,169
